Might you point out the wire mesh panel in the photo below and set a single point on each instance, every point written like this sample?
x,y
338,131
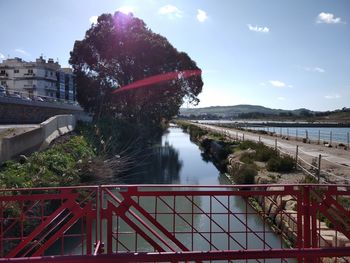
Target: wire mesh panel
x,y
36,222
146,219
240,223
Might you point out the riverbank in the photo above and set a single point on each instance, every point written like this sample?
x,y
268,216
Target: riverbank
x,y
91,154
242,167
242,160
334,165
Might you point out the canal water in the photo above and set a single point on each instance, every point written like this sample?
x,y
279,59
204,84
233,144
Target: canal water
x,y
177,160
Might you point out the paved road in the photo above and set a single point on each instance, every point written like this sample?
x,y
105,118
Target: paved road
x,y
11,126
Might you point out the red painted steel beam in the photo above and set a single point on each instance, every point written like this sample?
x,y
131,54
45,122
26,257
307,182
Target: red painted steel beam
x,y
190,256
193,192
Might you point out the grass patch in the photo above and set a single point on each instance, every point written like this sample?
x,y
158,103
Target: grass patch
x,y
54,167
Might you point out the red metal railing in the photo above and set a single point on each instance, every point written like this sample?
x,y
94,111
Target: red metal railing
x,y
151,223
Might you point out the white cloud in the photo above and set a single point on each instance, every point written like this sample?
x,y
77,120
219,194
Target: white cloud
x,y
260,29
22,51
201,15
2,56
93,19
277,83
262,84
170,10
332,97
126,9
281,98
328,18
315,69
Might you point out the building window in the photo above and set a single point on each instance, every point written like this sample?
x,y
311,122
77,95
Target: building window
x,y
30,71
2,72
3,82
16,71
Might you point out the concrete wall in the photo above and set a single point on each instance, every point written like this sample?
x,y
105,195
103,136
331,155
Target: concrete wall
x,y
36,139
16,111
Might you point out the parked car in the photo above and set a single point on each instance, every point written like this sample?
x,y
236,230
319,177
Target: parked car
x,y
26,98
15,96
39,99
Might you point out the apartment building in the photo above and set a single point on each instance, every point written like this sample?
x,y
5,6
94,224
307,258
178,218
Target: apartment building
x,y
40,78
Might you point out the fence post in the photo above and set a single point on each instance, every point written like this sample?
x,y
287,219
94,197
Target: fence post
x,y
319,136
243,137
306,135
259,138
280,131
296,156
348,139
276,145
288,133
296,134
330,138
319,169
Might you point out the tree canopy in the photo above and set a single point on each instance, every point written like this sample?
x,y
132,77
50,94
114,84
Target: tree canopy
x,y
119,50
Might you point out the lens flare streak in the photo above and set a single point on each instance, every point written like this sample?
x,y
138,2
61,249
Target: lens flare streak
x,y
157,79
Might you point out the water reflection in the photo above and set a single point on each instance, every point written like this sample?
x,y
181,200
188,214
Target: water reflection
x,y
162,166
176,160
191,219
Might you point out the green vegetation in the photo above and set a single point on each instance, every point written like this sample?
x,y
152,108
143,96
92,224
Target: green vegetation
x,y
57,166
218,147
281,164
263,153
245,174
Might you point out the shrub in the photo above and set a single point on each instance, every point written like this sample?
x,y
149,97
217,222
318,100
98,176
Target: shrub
x,y
56,166
196,132
264,153
281,164
248,145
247,157
245,175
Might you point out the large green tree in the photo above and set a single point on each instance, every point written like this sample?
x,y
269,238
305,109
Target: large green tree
x,y
119,50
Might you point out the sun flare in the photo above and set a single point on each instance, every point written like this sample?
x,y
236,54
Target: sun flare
x,y
126,9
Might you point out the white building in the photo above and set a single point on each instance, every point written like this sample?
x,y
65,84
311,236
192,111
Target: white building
x,y
39,78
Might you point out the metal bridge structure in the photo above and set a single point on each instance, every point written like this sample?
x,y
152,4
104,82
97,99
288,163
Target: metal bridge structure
x,y
176,223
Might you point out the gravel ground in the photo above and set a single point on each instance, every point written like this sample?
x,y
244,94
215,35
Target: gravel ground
x,y
335,162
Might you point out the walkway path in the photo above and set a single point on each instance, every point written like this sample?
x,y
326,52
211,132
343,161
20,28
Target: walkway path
x,y
335,163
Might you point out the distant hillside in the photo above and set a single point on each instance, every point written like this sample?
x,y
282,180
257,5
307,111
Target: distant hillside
x,y
238,111
259,112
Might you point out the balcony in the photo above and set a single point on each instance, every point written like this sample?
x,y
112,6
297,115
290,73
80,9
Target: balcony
x,y
4,75
29,87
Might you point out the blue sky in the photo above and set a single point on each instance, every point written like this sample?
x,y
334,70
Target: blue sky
x,y
277,53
